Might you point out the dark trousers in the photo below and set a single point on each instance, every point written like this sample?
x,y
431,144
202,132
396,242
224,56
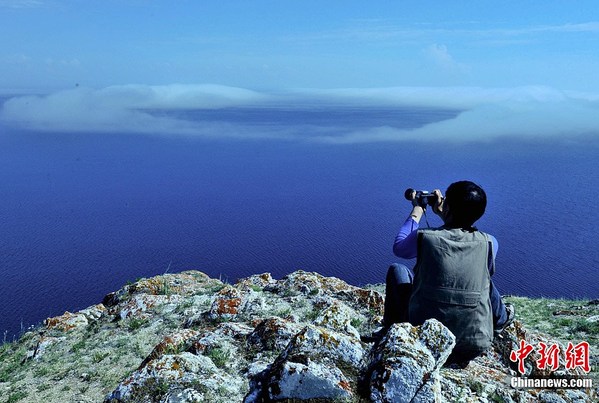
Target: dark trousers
x,y
399,289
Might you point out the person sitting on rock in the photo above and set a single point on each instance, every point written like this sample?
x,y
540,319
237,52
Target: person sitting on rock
x,y
451,281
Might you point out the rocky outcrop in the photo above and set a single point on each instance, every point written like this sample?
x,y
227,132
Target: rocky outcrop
x,y
405,366
189,338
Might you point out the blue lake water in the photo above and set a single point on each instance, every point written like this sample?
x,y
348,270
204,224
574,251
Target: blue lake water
x,y
82,214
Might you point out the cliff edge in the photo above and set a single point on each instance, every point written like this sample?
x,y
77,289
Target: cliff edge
x,y
187,337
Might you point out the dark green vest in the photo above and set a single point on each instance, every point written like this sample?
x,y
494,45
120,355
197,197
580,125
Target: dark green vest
x,y
451,284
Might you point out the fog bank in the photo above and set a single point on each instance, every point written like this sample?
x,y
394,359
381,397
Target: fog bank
x,y
480,113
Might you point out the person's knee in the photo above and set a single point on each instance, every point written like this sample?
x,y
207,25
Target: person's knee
x,y
393,272
399,274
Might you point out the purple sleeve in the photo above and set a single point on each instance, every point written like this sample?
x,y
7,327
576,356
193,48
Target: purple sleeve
x,y
405,245
494,249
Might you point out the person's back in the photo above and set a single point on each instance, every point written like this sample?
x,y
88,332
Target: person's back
x,y
452,277
451,284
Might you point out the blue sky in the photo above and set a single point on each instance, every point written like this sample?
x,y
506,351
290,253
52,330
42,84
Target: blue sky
x,y
512,68
50,45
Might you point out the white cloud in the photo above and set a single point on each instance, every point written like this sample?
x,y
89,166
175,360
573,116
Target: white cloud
x,y
441,58
484,113
592,26
121,108
439,53
492,121
389,31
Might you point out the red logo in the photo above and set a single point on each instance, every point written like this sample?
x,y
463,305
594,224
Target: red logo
x,y
521,354
578,356
549,356
575,356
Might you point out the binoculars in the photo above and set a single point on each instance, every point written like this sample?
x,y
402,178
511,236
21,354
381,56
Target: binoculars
x,y
423,197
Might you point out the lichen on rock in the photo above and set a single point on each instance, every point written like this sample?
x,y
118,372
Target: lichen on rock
x,y
185,337
405,364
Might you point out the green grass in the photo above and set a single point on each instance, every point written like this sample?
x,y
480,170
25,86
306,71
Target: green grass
x,y
136,323
16,396
538,314
283,312
42,371
584,326
11,362
356,323
152,390
219,356
314,291
290,293
565,320
78,346
255,288
188,303
210,290
164,288
99,356
175,348
4,347
311,315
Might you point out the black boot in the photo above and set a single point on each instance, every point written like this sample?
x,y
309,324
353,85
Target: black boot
x,y
511,314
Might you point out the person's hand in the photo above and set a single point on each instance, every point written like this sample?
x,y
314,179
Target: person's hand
x,y
438,205
414,200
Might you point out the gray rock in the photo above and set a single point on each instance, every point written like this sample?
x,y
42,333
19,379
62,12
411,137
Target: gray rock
x,y
273,334
312,380
405,364
161,379
317,363
264,339
550,397
338,316
184,396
